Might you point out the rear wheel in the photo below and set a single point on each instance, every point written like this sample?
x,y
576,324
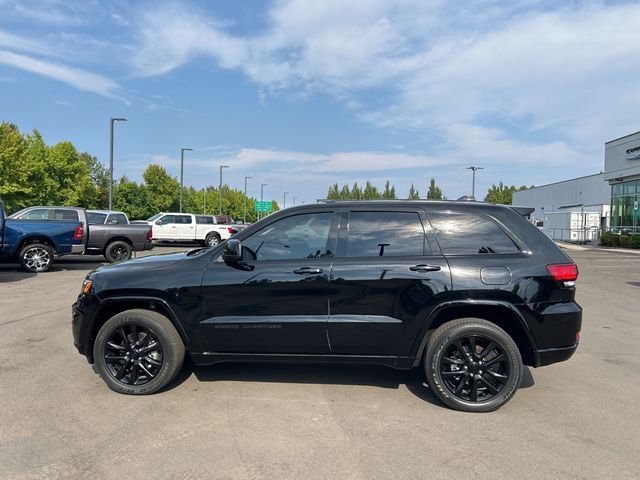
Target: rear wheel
x,y
36,257
473,365
118,251
138,352
212,240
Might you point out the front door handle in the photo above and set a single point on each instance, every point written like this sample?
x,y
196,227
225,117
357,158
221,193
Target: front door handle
x,y
425,268
307,270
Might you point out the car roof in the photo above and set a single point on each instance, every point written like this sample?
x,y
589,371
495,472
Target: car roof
x,y
441,204
107,212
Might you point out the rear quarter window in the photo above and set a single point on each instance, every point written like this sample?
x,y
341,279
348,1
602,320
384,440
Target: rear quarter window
x,y
470,234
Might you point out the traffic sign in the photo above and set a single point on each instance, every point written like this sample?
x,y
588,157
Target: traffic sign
x,y
263,206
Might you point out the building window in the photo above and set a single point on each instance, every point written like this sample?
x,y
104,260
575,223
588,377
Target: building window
x,y
625,214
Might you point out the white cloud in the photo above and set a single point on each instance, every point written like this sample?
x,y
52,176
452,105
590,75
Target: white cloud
x,y
77,78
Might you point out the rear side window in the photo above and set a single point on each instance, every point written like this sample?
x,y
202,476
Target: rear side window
x,y
385,234
204,220
183,219
117,219
466,234
62,214
95,218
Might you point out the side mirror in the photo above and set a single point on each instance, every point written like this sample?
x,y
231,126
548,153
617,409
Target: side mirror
x,y
158,222
232,251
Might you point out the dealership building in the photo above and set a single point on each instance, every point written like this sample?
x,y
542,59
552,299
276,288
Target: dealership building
x,y
622,172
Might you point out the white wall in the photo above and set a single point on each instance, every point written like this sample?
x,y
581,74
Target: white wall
x,y
618,163
588,194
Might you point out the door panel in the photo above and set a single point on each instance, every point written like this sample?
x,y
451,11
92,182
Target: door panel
x,y
384,283
276,299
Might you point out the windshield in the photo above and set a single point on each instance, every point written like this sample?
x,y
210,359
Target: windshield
x,y
155,217
95,218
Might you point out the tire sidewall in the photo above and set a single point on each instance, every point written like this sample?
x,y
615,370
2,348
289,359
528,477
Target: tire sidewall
x,y
435,380
212,236
112,245
170,356
26,248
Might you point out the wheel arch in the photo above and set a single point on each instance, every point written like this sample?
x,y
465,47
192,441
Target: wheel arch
x,y
29,239
502,314
112,306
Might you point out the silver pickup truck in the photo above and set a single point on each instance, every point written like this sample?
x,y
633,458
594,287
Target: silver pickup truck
x,y
107,233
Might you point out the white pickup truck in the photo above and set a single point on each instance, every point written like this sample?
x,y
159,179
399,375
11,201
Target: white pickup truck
x,y
185,227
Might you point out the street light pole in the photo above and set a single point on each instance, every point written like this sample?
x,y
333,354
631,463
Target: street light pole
x,y
111,120
182,150
244,216
262,196
220,189
294,201
473,184
284,200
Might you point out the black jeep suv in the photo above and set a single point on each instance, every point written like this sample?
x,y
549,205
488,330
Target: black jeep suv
x,y
468,291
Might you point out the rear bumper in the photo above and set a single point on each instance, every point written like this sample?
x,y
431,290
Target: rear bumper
x,y
555,355
138,247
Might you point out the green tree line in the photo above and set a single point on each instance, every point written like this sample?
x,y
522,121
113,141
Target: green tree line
x,y
371,192
34,173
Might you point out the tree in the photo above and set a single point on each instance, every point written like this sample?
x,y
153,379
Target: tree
x,y
370,192
99,175
14,173
413,193
389,191
502,194
356,192
345,193
163,189
133,199
434,192
334,192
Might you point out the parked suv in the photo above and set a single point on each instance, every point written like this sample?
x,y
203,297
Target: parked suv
x,y
467,291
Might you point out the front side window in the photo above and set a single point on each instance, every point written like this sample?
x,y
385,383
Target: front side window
x,y
467,234
167,219
35,214
385,234
296,237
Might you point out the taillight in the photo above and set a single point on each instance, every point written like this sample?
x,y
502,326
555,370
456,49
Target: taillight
x,y
230,230
78,233
149,235
563,272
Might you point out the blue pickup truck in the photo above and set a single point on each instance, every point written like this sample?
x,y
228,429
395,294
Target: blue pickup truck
x,y
35,243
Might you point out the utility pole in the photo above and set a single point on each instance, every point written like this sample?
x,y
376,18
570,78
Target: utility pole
x,y
220,189
262,196
473,184
244,216
182,150
111,121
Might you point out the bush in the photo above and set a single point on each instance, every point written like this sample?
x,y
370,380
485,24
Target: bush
x,y
634,242
609,239
624,240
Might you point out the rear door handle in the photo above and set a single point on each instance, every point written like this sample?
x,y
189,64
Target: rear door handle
x,y
307,270
425,268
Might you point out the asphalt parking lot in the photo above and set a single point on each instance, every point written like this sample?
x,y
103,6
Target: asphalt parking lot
x,y
577,419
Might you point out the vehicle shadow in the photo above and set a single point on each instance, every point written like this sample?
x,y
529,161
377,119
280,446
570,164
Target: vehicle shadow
x,y
13,273
335,374
88,262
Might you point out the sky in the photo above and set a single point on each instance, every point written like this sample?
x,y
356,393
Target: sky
x,y
300,94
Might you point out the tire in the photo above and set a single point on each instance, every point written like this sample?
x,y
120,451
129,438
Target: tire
x,y
212,240
143,367
486,380
118,251
36,257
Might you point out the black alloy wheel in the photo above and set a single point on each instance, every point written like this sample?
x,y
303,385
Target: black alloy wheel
x,y
133,354
472,365
474,368
138,352
118,251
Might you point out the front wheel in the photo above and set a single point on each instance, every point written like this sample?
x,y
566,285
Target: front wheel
x,y
36,257
118,251
138,352
473,365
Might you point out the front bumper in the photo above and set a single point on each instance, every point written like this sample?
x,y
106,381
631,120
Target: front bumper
x,y
79,328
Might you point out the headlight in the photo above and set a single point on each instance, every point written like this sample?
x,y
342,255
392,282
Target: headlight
x,y
86,286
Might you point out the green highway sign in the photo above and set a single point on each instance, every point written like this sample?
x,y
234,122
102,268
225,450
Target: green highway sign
x,y
263,206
